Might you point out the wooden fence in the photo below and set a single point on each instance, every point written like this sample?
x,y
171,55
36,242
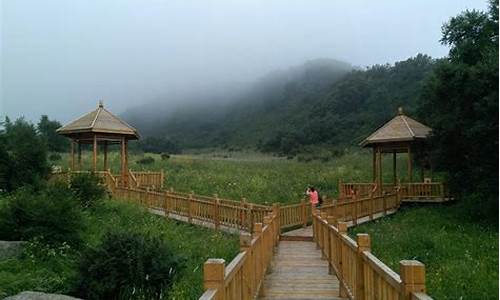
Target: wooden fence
x,y
197,208
431,191
363,276
367,206
243,277
295,214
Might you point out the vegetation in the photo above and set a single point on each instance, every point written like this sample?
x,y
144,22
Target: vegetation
x,y
23,155
460,102
460,256
128,264
51,215
55,268
87,189
47,131
147,160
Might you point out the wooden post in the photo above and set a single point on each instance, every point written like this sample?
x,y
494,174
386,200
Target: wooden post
x,y
379,167
72,156
124,169
105,150
342,228
250,218
410,171
162,178
248,269
412,274
94,157
213,276
190,208
384,203
394,167
355,204
79,156
363,241
216,212
276,212
371,205
375,164
304,213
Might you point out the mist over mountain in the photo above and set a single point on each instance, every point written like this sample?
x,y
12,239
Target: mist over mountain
x,y
322,102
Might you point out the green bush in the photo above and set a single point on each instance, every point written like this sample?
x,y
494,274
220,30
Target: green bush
x,y
55,157
128,266
87,189
52,215
165,156
146,160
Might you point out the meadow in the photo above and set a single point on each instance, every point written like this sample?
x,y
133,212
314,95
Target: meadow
x,y
54,269
460,254
257,177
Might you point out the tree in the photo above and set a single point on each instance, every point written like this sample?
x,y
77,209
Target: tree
x,y
460,102
25,155
47,130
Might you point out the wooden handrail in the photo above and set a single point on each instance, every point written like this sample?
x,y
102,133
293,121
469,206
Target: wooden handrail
x,y
361,274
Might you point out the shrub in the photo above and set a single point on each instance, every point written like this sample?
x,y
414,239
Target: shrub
x,y
52,215
165,156
55,157
87,189
127,265
146,160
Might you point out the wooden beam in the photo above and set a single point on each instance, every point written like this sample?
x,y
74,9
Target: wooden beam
x,y
72,158
105,164
394,167
379,167
410,171
374,165
79,156
94,157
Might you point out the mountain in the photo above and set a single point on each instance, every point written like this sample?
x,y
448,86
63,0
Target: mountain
x,y
322,102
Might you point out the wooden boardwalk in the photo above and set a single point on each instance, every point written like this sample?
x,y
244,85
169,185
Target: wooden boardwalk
x,y
298,271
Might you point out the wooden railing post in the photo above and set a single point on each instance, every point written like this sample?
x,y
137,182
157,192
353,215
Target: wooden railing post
x,y
190,208
216,212
355,203
242,214
304,212
331,221
213,276
412,274
384,203
342,229
363,241
276,212
322,236
248,284
162,178
250,218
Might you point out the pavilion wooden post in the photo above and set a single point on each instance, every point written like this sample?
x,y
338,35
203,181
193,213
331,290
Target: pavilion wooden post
x,y
409,164
374,165
79,156
124,162
379,170
72,158
105,150
94,157
394,167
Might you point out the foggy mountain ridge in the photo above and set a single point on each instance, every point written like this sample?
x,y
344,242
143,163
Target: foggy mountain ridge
x,y
213,104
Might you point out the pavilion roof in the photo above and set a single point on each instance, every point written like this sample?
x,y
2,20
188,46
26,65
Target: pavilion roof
x,y
400,129
99,121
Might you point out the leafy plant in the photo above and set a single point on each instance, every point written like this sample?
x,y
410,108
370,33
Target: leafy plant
x,y
55,157
52,215
87,188
146,160
128,266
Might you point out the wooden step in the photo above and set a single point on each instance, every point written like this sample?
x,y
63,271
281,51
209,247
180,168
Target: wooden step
x,y
298,272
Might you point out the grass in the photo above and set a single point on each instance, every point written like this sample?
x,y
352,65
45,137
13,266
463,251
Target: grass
x,y
461,257
257,177
54,270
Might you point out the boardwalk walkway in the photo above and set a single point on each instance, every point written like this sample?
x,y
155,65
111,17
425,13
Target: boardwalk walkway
x,y
298,272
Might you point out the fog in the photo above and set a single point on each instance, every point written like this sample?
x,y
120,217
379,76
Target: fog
x,y
60,57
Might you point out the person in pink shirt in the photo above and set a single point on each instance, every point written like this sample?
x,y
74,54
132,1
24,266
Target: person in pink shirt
x,y
313,196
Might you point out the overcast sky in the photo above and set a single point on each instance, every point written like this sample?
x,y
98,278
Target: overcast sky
x,y
59,57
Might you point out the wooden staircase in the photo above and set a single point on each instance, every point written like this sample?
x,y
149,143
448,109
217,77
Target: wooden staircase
x,y
298,271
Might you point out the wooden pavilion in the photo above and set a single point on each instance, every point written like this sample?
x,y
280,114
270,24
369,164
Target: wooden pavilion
x,y
401,134
101,127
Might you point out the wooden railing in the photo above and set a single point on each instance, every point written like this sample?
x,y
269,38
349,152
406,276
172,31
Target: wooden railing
x,y
361,274
415,190
242,278
148,179
295,214
194,207
367,206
